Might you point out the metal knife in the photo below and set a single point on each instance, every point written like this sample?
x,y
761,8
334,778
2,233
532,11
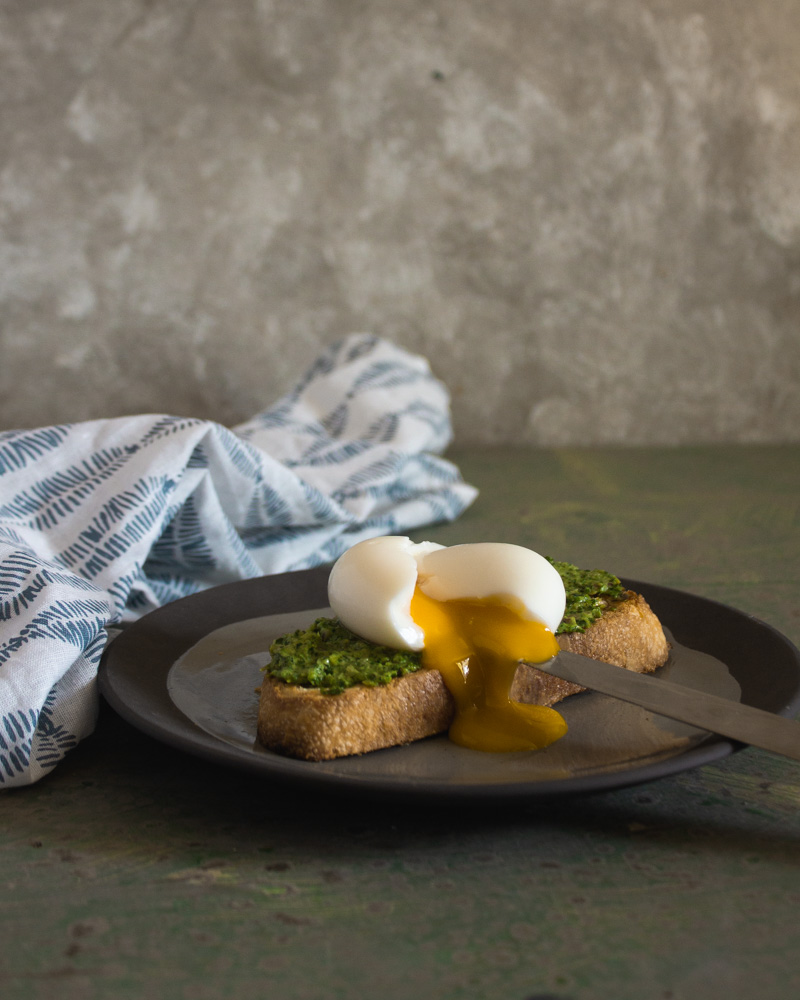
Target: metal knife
x,y
706,711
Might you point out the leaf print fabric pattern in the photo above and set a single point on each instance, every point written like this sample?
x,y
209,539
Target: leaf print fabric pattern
x,y
103,521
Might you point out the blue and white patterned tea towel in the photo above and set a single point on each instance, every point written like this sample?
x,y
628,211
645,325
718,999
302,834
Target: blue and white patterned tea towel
x,y
105,520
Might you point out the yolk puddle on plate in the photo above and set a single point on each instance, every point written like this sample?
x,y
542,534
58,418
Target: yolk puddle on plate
x,y
476,645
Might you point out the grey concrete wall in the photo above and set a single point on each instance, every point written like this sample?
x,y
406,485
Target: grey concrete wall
x,y
586,213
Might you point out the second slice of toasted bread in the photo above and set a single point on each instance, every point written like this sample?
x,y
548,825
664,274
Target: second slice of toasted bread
x,y
628,634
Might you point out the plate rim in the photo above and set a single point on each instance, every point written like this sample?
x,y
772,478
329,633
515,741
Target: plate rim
x,y
168,628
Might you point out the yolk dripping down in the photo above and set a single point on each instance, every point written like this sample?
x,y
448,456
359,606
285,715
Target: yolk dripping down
x,y
476,645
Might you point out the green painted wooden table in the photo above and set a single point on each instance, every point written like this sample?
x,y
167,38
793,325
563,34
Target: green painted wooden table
x,y
135,871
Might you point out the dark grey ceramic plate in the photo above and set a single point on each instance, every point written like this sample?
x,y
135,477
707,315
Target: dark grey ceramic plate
x,y
186,675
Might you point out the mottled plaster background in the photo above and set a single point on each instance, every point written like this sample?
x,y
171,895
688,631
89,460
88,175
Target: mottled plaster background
x,y
586,214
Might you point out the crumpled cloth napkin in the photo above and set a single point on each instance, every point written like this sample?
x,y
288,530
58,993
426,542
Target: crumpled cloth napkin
x,y
103,521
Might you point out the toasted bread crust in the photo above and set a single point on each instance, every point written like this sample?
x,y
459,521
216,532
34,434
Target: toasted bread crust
x,y
304,723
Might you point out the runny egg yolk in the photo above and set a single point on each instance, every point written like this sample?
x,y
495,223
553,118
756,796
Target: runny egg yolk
x,y
476,644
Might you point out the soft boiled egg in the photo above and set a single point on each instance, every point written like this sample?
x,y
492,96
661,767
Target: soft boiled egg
x,y
474,611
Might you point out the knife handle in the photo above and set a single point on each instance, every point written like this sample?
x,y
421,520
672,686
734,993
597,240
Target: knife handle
x,y
732,719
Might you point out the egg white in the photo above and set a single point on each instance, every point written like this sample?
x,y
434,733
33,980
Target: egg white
x,y
371,585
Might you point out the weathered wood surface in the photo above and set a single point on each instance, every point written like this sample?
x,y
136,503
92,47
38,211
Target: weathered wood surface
x,y
135,871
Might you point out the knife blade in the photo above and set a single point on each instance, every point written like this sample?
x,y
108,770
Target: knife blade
x,y
739,722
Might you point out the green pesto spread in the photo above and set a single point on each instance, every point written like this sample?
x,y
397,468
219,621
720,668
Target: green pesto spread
x,y
589,592
329,657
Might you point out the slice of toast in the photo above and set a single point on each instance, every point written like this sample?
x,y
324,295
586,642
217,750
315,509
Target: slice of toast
x,y
628,634
302,722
